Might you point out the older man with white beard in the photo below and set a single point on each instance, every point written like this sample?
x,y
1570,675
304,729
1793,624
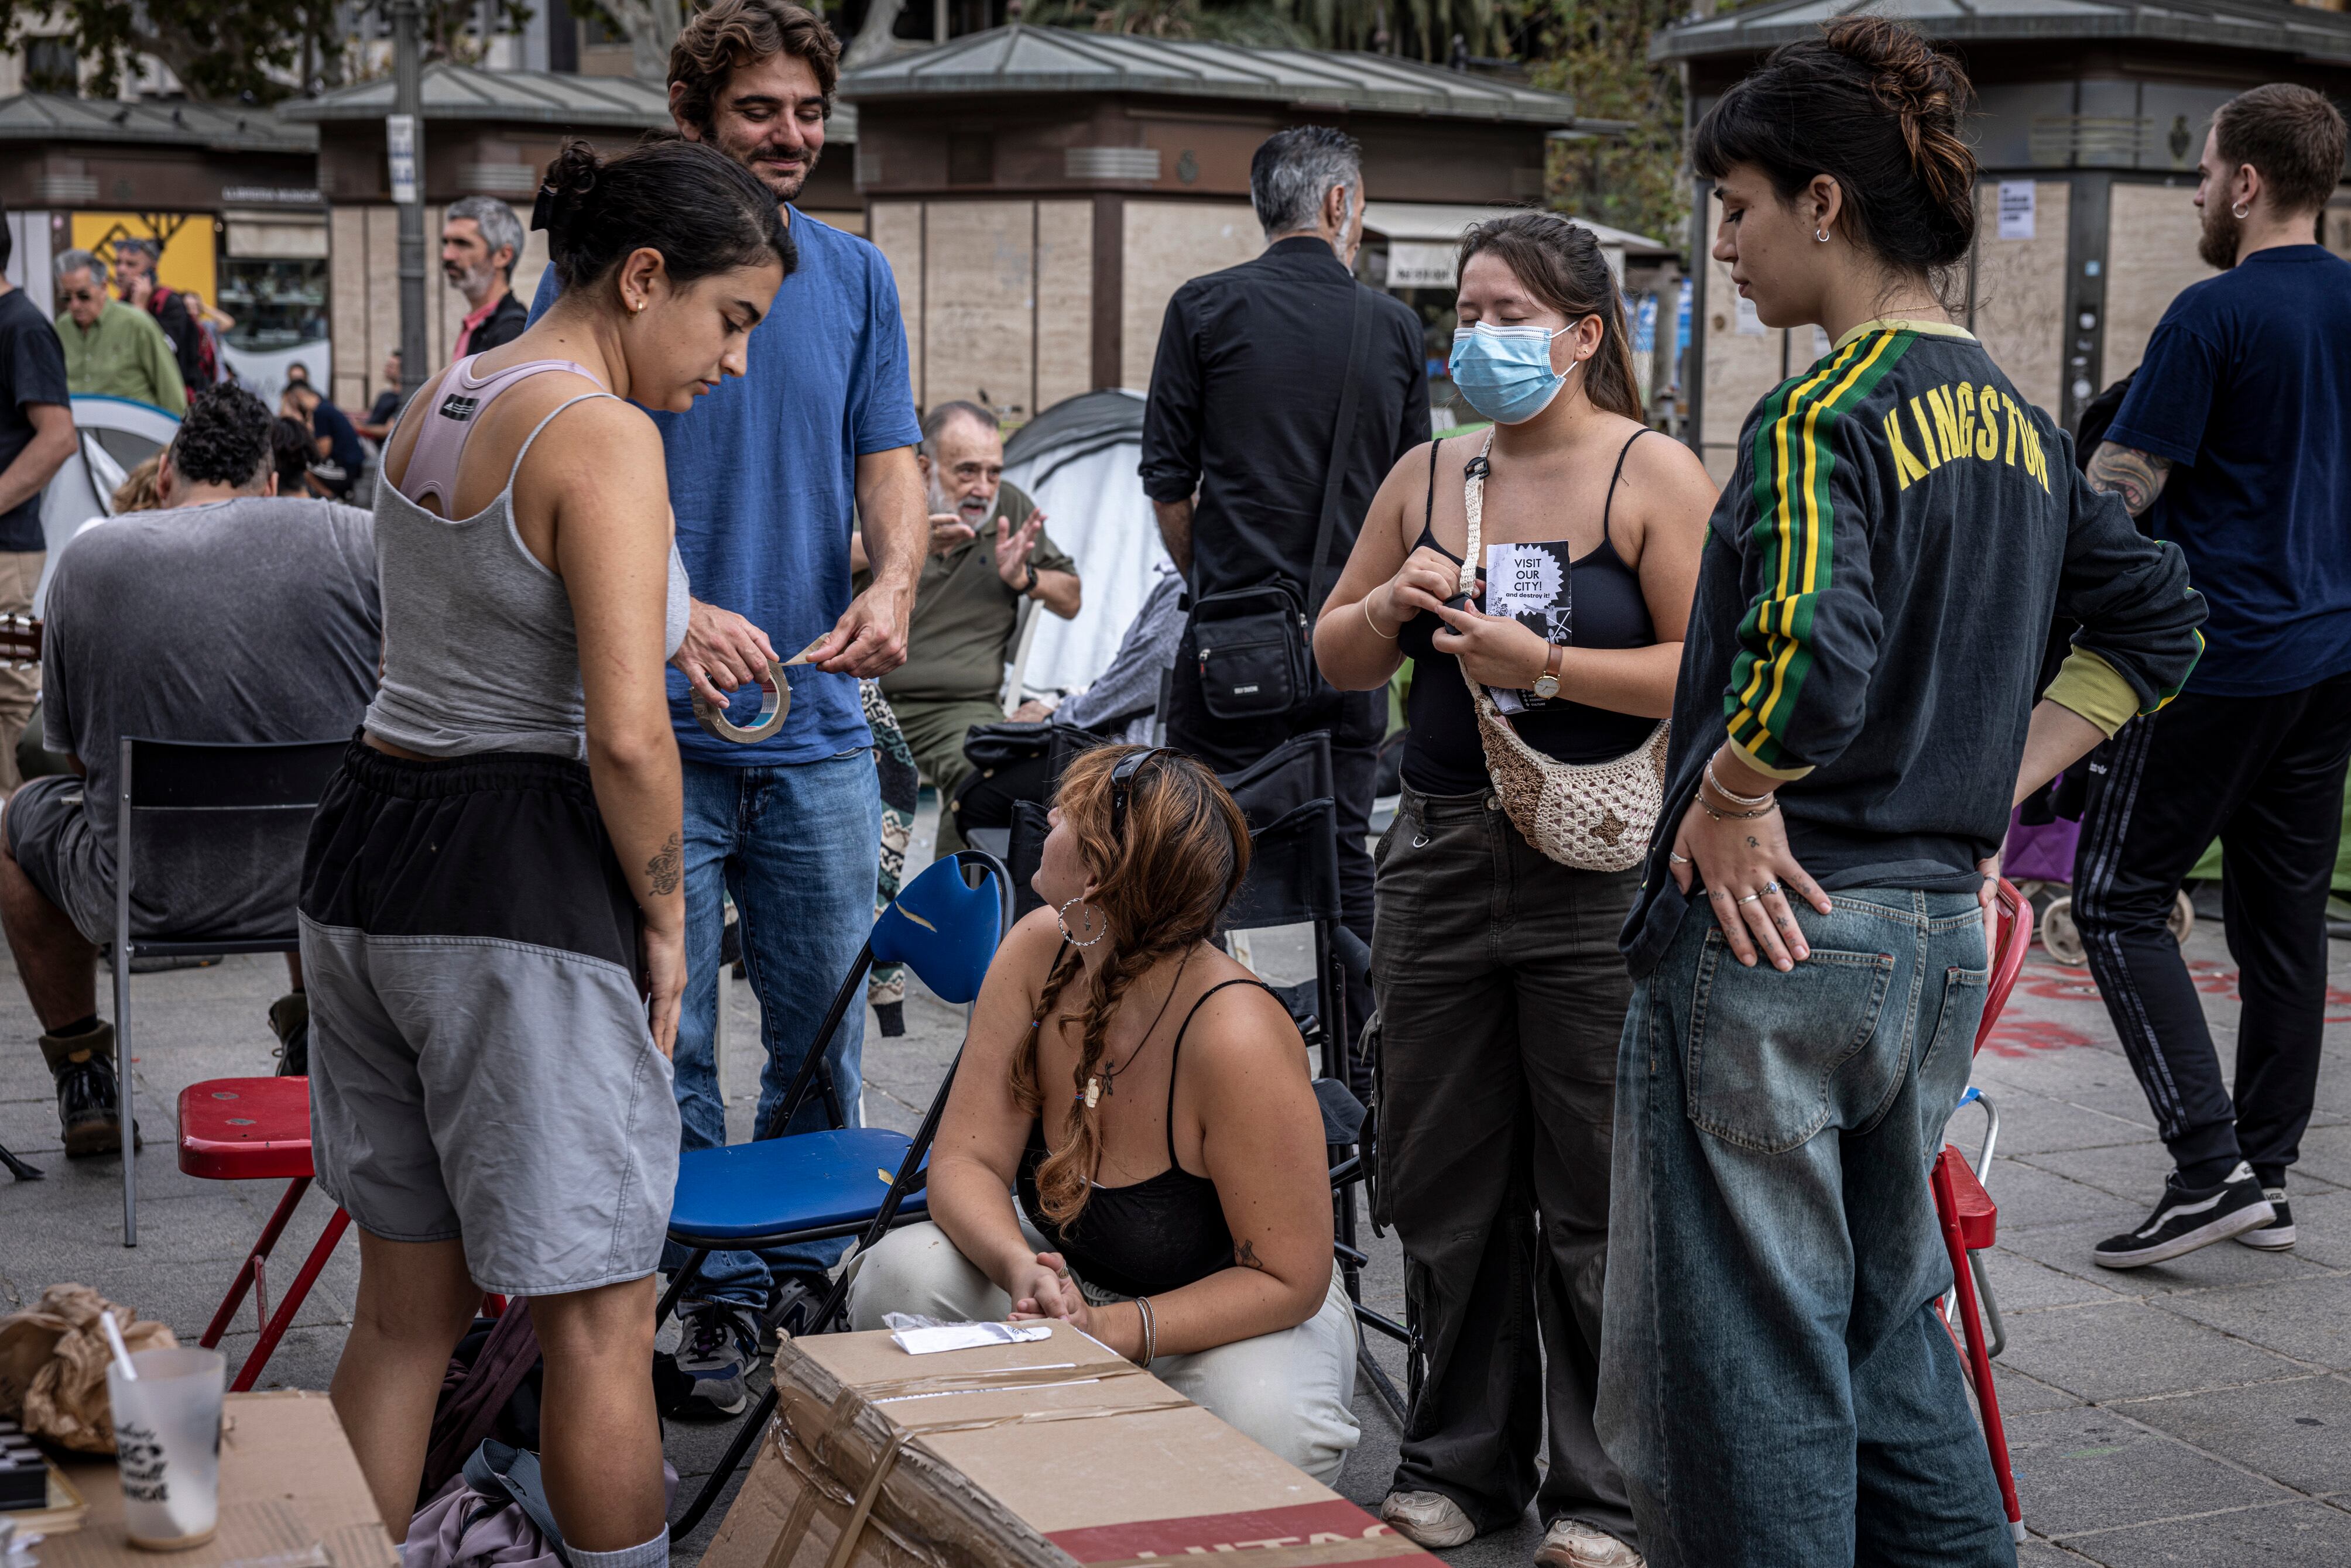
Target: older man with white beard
x,y
479,241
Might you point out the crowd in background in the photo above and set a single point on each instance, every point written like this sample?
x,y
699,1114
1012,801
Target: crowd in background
x,y
1677,945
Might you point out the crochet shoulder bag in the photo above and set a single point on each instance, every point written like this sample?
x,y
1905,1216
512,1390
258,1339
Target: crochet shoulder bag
x,y
1592,815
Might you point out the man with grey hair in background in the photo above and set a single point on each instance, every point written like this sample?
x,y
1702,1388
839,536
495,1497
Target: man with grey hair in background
x,y
480,239
112,349
1283,393
135,260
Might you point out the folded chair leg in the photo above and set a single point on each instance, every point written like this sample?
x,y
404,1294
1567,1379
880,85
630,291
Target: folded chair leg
x,y
1381,1383
292,1304
254,1260
1946,1212
677,1287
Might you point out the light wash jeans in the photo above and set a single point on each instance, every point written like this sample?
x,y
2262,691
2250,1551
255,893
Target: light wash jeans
x,y
795,846
1775,1383
1291,1391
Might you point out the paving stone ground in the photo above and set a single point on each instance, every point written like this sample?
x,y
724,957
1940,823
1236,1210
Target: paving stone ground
x,y
2195,1413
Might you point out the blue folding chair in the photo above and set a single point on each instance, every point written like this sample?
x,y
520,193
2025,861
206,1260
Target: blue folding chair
x,y
816,1185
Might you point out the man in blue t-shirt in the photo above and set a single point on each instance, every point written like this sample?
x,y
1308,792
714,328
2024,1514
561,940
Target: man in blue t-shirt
x,y
2234,442
768,476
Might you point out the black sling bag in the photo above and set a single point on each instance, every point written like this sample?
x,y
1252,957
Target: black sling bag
x,y
1254,643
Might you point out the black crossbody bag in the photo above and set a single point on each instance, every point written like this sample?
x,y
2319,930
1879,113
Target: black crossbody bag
x,y
1254,643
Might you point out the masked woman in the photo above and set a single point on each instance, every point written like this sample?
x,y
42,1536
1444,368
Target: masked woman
x,y
1856,714
1501,995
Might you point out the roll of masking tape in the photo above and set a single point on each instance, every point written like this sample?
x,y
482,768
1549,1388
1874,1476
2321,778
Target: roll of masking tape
x,y
774,703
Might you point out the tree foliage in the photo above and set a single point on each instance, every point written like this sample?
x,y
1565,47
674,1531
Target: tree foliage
x,y
1597,51
254,51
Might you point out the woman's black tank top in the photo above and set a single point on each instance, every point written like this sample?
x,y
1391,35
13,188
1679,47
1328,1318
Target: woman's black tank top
x,y
1442,753
1148,1237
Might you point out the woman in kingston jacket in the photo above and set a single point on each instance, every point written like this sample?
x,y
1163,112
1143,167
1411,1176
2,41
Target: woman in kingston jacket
x,y
1856,715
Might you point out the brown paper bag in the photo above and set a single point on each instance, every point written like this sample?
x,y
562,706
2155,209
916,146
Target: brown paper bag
x,y
53,1361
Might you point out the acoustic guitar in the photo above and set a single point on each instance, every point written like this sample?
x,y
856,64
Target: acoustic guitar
x,y
20,642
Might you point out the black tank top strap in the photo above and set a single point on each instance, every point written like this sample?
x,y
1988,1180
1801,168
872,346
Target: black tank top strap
x,y
1428,508
1176,1052
1609,504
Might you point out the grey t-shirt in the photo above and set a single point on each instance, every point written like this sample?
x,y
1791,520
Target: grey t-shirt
x,y
251,619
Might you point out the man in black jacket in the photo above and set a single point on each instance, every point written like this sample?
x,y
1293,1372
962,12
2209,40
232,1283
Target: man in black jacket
x,y
1242,430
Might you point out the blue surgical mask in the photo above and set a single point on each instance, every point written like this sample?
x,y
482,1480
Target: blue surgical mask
x,y
1505,372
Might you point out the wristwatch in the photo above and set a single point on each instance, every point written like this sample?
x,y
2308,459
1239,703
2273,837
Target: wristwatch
x,y
1546,684
1029,586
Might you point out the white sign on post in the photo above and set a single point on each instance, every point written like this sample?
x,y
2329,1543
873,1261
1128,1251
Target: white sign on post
x,y
400,142
2017,200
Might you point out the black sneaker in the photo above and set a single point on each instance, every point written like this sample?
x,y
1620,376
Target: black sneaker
x,y
2189,1217
713,1360
2277,1236
89,1098
289,1020
789,1307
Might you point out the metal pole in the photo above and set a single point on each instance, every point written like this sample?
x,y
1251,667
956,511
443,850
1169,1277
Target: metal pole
x,y
408,100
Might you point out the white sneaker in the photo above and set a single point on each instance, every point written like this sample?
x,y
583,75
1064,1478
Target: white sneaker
x,y
1571,1543
1428,1519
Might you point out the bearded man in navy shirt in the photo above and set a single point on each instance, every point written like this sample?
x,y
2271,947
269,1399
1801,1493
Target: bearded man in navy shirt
x,y
2234,442
768,475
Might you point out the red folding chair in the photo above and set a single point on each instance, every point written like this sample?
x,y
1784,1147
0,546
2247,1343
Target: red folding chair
x,y
257,1129
1968,1218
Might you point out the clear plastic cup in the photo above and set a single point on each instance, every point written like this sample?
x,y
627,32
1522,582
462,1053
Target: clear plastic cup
x,y
167,1430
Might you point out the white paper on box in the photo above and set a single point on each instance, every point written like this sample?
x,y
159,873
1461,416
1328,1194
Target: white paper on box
x,y
968,1336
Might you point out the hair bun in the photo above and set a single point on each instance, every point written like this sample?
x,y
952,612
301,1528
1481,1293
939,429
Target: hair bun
x,y
571,176
1919,86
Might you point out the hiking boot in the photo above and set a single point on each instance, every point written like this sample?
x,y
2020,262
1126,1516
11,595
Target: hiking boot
x,y
89,1099
1571,1543
718,1347
289,1020
1427,1519
2190,1216
2277,1236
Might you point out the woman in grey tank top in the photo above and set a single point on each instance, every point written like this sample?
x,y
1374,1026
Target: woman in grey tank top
x,y
493,932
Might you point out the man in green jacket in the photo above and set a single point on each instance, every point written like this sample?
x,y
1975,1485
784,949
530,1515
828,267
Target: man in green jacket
x,y
113,349
989,554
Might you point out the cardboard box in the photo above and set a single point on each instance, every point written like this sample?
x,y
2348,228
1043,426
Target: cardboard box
x,y
1053,1452
291,1494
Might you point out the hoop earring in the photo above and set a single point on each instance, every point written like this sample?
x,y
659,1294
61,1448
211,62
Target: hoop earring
x,y
1821,236
2240,212
1061,919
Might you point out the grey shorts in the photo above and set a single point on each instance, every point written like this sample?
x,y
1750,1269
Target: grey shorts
x,y
49,840
480,1065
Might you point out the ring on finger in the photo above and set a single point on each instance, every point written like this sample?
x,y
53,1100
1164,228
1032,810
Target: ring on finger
x,y
1770,888
1752,898
1674,859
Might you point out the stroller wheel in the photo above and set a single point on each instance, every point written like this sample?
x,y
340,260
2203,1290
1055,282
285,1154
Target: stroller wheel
x,y
2059,936
2183,918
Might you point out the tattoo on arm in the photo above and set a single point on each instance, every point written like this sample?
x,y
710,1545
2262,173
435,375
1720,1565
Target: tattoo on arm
x,y
2129,472
1753,843
666,866
1245,1254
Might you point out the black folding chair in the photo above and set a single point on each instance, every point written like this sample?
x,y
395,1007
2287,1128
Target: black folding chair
x,y
197,806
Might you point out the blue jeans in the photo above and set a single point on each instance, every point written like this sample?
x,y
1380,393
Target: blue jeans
x,y
1776,1385
795,846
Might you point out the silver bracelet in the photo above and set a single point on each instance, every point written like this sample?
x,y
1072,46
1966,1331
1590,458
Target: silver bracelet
x,y
1150,1332
1746,802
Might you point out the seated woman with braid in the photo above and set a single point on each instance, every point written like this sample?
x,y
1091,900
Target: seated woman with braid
x,y
1150,1101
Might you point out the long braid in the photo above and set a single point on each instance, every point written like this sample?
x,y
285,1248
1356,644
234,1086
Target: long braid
x,y
1160,892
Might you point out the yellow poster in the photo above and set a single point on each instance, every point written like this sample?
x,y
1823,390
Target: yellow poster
x,y
189,246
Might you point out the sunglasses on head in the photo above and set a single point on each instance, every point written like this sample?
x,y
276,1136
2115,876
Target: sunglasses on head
x,y
1121,786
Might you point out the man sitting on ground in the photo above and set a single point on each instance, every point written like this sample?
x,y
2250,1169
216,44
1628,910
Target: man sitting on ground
x,y
233,615
988,552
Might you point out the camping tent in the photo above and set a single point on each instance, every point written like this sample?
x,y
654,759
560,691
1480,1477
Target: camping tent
x,y
113,435
1077,462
